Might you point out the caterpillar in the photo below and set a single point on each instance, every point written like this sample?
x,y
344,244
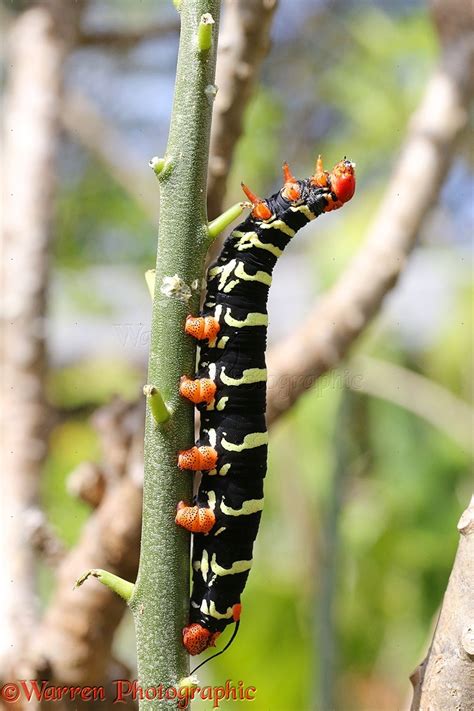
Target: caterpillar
x,y
230,392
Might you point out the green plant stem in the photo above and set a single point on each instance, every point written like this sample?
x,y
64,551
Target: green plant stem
x,y
161,598
121,587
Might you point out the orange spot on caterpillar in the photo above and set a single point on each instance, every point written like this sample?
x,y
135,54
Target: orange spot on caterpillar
x,y
288,176
236,611
261,209
197,458
202,327
321,177
197,638
194,518
199,390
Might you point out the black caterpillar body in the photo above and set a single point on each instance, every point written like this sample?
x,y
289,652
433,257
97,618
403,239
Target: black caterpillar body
x,y
233,419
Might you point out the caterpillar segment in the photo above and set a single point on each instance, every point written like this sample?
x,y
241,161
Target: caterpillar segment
x,y
231,453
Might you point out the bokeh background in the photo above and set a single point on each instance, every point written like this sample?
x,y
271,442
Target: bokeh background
x,y
363,494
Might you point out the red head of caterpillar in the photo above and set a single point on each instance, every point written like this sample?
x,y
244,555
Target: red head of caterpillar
x,y
342,180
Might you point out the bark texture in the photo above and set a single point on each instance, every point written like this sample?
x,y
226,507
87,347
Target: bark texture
x,y
444,681
73,643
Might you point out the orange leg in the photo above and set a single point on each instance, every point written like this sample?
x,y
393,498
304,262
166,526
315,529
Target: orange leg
x,y
197,458
202,327
200,390
195,519
197,638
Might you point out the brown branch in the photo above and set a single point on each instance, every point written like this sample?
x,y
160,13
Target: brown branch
x,y
38,44
126,39
445,679
415,393
86,124
243,44
74,641
335,323
43,537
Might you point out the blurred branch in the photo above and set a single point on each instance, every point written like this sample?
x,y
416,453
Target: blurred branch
x,y
339,318
351,460
43,538
73,643
415,393
85,122
445,679
243,44
39,41
126,39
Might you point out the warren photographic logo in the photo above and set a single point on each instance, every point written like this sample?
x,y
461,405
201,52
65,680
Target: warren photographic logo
x,y
123,691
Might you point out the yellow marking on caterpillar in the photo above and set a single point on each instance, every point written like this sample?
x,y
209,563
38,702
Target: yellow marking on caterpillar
x,y
248,507
251,239
220,530
278,225
211,498
249,376
203,565
212,437
252,319
260,276
210,609
228,288
255,439
222,403
222,342
225,271
305,210
223,471
240,566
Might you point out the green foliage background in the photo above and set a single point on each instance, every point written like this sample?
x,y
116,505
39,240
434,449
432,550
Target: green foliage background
x,y
404,482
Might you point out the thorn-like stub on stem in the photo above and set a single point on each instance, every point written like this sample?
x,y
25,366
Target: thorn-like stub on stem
x,y
158,408
121,587
186,685
220,223
205,32
160,166
157,164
